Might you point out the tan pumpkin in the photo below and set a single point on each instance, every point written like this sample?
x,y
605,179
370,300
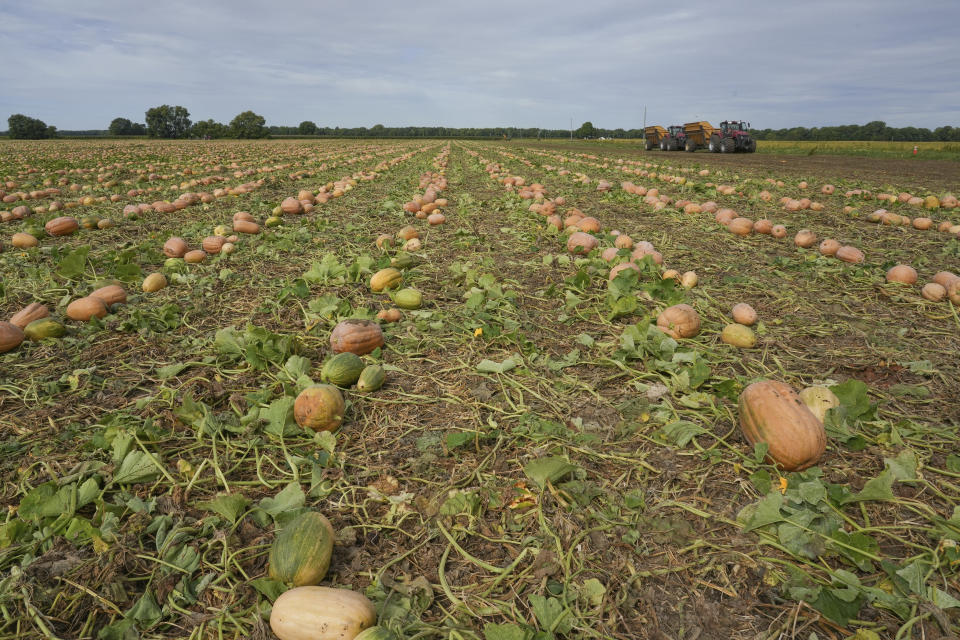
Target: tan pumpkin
x,y
413,244
934,292
744,314
725,216
175,247
195,256
944,278
953,292
850,254
23,240
321,613
31,312
154,282
689,279
588,225
805,238
738,335
243,215
319,407
773,413
902,273
763,226
623,242
436,218
356,336
62,226
829,247
609,254
740,226
11,336
395,315
581,243
622,267
922,223
111,294
83,309
679,321
385,279
778,231
408,233
213,244
291,206
246,226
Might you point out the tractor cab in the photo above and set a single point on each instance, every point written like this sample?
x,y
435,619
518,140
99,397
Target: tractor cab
x,y
676,131
731,126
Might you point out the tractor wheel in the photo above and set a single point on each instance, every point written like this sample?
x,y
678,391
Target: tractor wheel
x,y
715,144
691,146
648,144
752,146
728,145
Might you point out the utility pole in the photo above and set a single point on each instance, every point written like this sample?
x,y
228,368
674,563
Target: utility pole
x,y
644,124
571,129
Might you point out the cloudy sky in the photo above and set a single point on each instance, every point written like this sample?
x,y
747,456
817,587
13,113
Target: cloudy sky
x,y
78,64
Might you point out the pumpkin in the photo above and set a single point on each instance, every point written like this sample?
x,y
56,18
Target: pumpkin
x,y
213,244
44,328
300,554
670,274
83,309
408,233
849,254
934,292
403,261
805,238
385,279
725,216
62,226
394,315
321,613
588,225
413,244
922,223
581,243
291,206
944,278
738,335
273,221
343,369
744,314
953,292
243,215
829,247
771,412
111,294
246,226
356,336
623,242
194,257
819,400
408,299
609,254
175,247
902,273
154,282
778,231
228,248
740,226
371,378
763,226
436,218
689,279
615,271
679,321
31,312
384,241
319,407
106,223
11,336
23,240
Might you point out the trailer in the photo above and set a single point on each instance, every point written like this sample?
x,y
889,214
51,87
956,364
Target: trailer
x,y
652,137
730,137
698,135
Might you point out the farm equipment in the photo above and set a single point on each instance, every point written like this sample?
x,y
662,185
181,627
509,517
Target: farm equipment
x,y
675,140
652,137
730,137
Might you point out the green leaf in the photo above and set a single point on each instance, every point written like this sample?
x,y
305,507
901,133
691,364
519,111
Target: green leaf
x,y
457,439
136,467
290,498
942,599
765,512
167,372
904,466
279,417
761,480
549,469
504,631
550,614
682,432
73,264
592,592
268,588
229,505
879,488
146,612
853,398
914,574
489,366
836,609
297,366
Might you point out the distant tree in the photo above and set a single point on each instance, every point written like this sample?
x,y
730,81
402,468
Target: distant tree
x,y
209,129
586,130
138,129
249,125
168,122
307,128
121,127
26,128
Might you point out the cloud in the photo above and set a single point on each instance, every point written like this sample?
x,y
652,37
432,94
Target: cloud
x,y
531,64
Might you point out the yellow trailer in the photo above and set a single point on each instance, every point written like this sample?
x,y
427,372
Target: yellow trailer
x,y
699,135
652,136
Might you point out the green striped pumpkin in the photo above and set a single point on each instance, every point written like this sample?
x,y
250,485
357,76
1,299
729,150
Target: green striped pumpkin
x,y
300,555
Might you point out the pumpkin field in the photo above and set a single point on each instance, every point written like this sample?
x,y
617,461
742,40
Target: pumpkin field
x,y
508,390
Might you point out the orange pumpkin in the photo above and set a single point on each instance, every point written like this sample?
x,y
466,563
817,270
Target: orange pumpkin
x,y
581,243
246,226
850,254
744,314
110,294
356,336
741,226
11,336
83,309
805,238
213,244
679,321
902,273
319,407
829,247
31,312
195,256
62,226
175,247
773,413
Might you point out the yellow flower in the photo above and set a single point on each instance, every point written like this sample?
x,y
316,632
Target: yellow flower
x,y
478,332
644,417
783,484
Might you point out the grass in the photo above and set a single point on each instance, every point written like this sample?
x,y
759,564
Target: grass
x,y
540,463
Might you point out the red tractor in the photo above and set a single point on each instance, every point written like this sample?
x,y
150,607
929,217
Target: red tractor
x,y
732,136
675,140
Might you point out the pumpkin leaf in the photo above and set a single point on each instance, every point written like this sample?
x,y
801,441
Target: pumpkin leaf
x,y
682,432
504,631
268,587
549,469
279,417
877,489
229,505
146,612
854,399
551,614
489,366
291,497
136,467
765,512
73,263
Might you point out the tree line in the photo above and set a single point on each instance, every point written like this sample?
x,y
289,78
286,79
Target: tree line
x,y
166,121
